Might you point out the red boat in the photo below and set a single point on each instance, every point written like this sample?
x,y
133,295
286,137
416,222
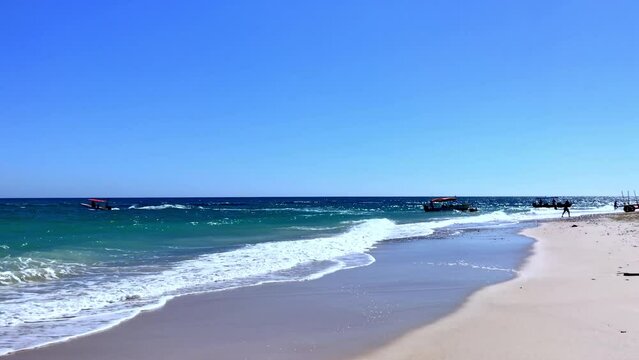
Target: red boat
x,y
97,204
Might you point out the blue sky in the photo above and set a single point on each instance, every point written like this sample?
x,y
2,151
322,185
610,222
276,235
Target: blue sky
x,y
272,98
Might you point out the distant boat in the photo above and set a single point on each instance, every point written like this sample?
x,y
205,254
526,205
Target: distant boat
x,y
97,204
554,204
447,204
628,206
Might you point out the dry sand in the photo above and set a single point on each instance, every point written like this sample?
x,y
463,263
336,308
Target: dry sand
x,y
569,302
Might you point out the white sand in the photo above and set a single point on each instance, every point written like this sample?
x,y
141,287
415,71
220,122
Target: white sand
x,y
568,302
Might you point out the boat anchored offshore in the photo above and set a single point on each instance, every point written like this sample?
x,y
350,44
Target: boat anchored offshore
x,y
97,204
447,204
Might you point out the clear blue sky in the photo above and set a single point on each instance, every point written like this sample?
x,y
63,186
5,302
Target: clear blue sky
x,y
247,98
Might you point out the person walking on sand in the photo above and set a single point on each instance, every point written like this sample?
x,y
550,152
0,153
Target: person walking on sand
x,y
566,209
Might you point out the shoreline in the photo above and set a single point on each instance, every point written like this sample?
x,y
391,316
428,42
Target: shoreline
x,y
568,302
344,313
82,296
563,303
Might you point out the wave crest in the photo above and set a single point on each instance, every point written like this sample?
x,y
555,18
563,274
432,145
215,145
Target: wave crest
x,y
26,269
164,207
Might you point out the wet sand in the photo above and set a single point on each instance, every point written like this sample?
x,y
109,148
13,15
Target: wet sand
x,y
570,302
412,283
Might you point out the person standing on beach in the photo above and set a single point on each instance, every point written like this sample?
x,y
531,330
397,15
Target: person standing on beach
x,y
566,210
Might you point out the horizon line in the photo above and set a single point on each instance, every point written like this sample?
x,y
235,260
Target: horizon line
x,y
288,196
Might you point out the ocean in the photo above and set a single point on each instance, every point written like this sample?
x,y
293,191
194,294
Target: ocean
x,y
66,270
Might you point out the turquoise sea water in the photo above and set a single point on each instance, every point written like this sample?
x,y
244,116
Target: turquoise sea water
x,y
66,270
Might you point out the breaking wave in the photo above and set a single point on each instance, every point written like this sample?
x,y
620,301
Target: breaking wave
x,y
164,207
26,270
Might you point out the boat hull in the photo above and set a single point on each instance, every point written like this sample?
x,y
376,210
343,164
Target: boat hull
x,y
88,206
460,207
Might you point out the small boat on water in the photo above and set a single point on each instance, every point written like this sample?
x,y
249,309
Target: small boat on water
x,y
554,204
447,204
97,204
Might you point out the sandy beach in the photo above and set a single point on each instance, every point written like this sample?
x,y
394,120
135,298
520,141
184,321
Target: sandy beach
x,y
569,302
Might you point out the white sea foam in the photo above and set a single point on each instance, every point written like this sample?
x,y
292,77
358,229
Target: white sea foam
x,y
100,302
164,207
463,263
25,270
313,228
225,221
307,210
544,214
250,262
